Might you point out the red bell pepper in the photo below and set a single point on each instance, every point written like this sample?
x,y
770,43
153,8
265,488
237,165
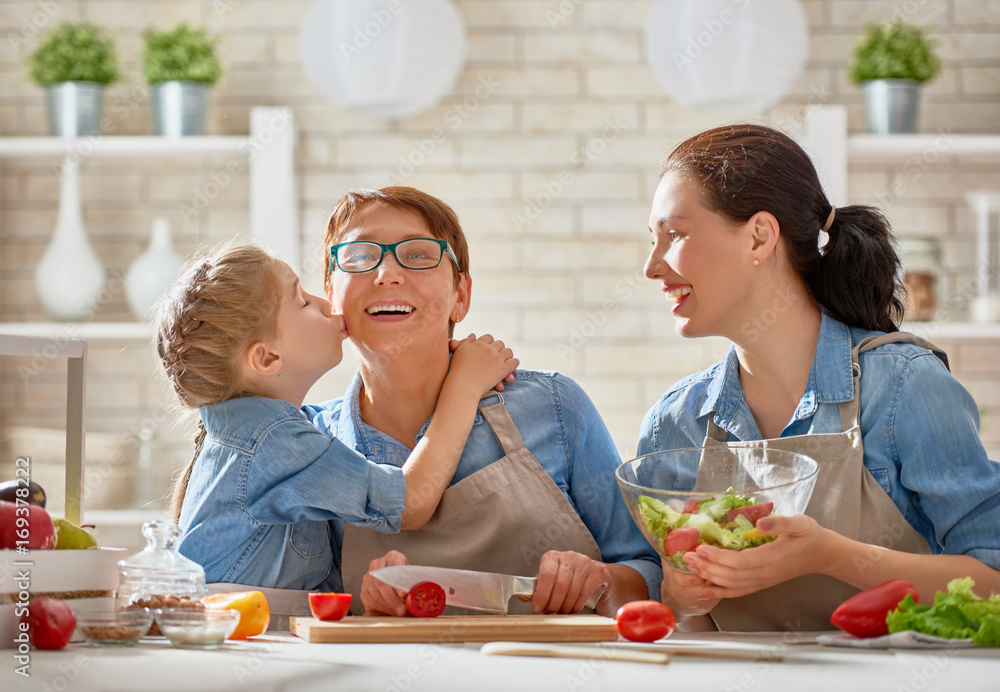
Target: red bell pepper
x,y
863,614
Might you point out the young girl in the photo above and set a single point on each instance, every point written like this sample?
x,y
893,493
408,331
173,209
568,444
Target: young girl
x,y
243,342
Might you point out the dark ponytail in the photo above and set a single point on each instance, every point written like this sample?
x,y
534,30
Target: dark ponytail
x,y
746,169
857,277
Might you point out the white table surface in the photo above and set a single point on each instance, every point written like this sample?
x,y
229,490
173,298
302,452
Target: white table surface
x,y
282,662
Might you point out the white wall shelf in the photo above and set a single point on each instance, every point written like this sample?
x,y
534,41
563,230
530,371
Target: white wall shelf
x,y
121,147
824,136
270,148
130,331
892,148
953,330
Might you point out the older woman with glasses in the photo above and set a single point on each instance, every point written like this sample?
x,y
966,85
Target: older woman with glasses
x,y
534,493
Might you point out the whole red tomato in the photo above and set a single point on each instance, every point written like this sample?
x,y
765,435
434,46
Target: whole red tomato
x,y
51,623
29,524
863,614
329,606
425,600
645,621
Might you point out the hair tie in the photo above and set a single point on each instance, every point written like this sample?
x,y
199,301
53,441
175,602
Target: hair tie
x,y
829,219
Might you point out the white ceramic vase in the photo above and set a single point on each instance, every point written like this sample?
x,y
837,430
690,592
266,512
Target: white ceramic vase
x,y
70,277
154,271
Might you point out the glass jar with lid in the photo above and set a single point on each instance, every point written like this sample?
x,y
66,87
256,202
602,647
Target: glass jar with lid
x,y
921,262
158,575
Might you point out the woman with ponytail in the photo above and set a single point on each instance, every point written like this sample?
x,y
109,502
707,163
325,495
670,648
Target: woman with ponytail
x,y
746,245
242,342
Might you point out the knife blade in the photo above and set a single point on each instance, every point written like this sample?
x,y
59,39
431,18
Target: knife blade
x,y
485,591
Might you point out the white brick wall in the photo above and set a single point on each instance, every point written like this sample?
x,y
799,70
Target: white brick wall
x,y
565,289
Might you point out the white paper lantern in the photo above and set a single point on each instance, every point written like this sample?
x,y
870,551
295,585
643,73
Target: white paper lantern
x,y
385,58
727,55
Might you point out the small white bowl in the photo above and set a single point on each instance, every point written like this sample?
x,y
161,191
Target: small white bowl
x,y
187,628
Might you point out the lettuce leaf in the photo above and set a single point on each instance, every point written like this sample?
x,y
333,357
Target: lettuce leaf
x,y
658,517
718,507
956,614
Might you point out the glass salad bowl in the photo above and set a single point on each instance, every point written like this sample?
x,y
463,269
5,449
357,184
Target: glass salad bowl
x,y
734,487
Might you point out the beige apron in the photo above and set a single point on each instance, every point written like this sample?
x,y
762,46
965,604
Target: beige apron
x,y
847,499
501,518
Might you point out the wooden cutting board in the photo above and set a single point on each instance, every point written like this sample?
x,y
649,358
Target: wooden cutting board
x,y
458,628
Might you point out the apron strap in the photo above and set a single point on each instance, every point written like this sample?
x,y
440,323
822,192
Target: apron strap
x,y
714,432
502,425
850,410
903,338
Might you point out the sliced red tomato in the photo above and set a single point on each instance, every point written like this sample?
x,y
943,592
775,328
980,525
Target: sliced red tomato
x,y
645,621
751,512
680,540
328,606
690,507
425,600
863,614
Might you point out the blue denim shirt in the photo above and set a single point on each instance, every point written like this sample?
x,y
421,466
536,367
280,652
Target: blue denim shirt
x,y
919,428
562,429
263,490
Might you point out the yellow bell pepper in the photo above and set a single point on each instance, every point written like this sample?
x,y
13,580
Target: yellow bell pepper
x,y
255,615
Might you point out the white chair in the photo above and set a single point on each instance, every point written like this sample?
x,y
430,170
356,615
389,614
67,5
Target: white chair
x,y
75,351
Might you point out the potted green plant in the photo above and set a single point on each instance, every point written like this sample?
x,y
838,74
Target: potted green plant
x,y
891,61
73,63
181,65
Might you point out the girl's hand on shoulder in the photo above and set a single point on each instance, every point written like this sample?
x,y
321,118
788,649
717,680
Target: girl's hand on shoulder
x,y
685,594
482,363
734,573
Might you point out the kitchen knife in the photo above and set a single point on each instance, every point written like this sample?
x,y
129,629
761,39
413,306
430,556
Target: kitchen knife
x,y
486,591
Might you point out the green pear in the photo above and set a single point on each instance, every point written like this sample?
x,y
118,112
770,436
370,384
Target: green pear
x,y
69,536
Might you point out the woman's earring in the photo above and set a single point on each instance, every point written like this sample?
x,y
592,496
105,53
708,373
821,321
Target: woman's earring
x,y
756,262
281,374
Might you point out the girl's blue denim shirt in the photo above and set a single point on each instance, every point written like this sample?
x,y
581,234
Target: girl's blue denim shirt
x,y
919,428
264,489
562,429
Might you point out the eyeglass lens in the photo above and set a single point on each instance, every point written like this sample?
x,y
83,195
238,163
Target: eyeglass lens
x,y
416,253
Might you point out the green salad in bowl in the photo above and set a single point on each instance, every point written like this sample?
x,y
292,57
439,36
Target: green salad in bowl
x,y
734,487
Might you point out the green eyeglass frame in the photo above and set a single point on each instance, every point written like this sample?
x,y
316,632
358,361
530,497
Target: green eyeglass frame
x,y
383,249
